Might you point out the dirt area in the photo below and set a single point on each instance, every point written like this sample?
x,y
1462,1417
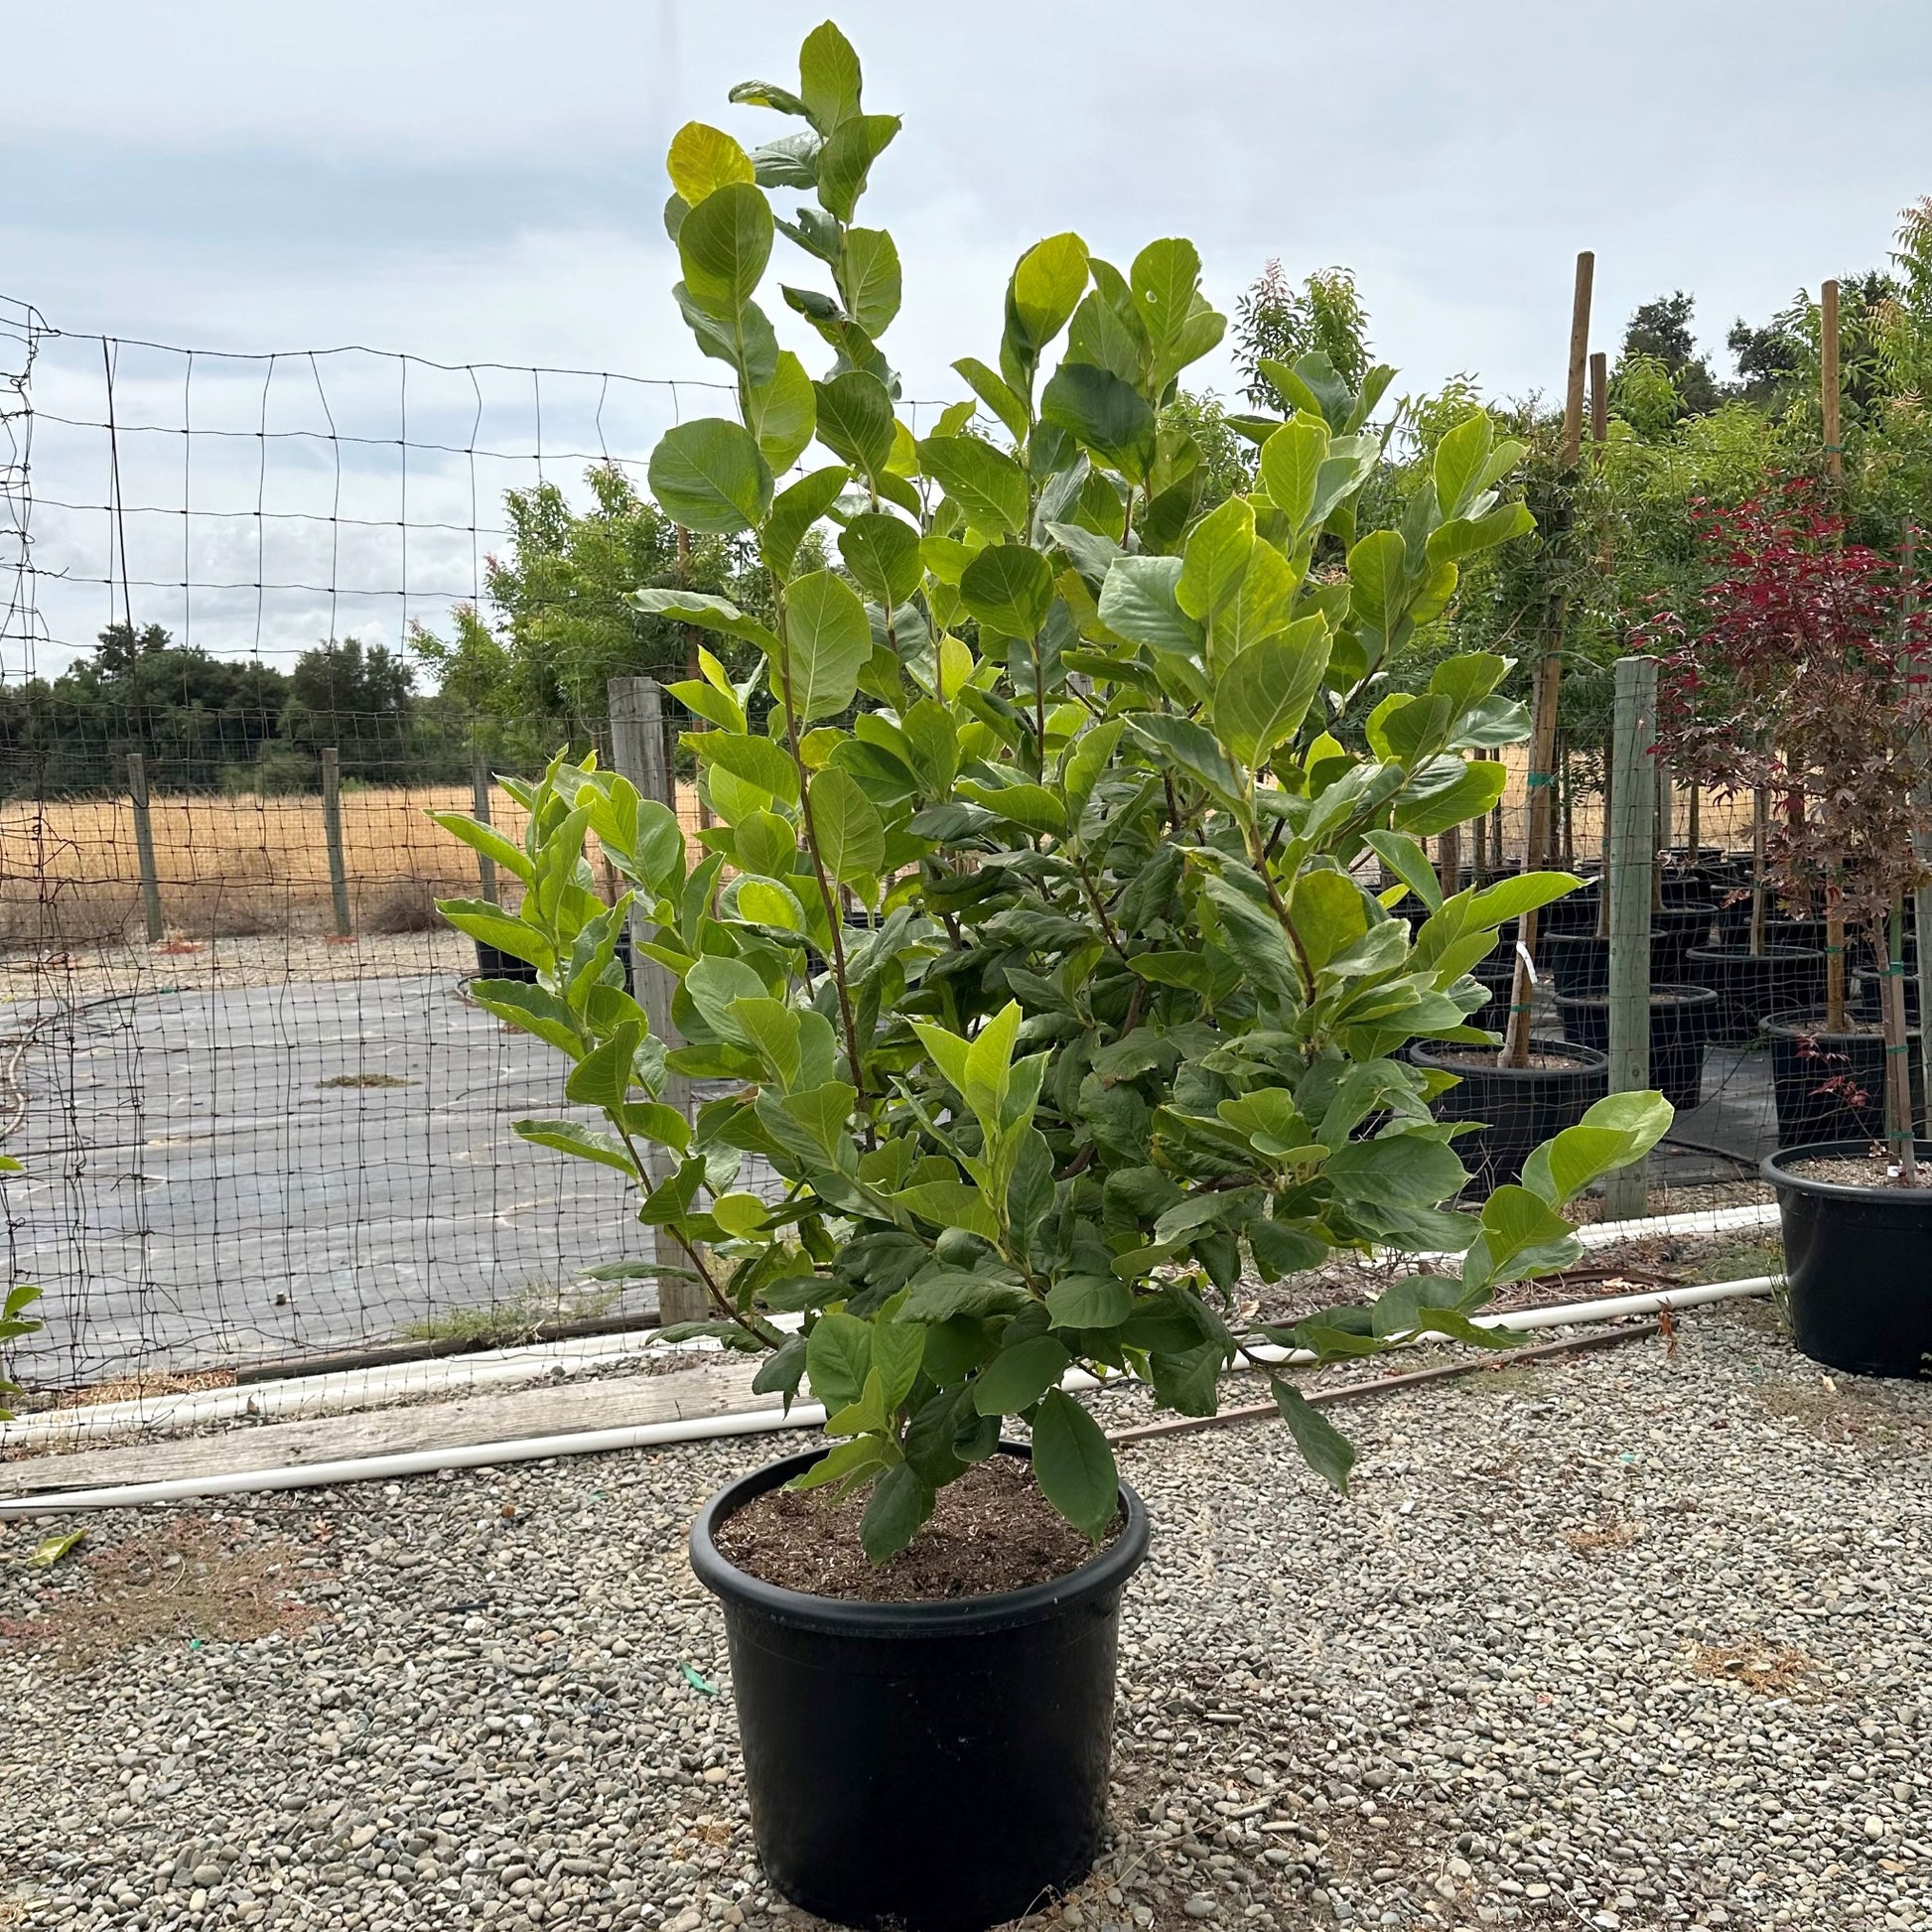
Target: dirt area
x,y
993,1529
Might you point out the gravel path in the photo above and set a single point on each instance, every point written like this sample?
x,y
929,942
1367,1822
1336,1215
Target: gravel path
x,y
1621,1641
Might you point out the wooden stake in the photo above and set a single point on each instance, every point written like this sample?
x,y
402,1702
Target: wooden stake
x,y
1760,838
1549,680
1449,861
1828,381
480,809
332,831
1600,398
137,790
1630,864
637,751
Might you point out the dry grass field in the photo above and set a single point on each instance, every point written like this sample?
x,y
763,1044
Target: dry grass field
x,y
231,867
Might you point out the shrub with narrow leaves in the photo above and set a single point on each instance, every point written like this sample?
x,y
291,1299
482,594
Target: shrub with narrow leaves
x,y
1041,947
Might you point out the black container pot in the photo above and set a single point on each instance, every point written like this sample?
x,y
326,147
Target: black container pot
x,y
1814,1075
1679,1030
1749,986
1497,974
1858,1263
494,963
1580,962
938,1766
1520,1107
1735,928
1575,912
1869,993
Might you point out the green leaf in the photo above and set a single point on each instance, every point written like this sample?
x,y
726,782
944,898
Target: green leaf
x,y
714,985
572,1137
530,1010
989,487
1189,1379
794,513
783,413
1075,1465
755,760
1108,415
1180,327
1018,1376
1469,790
897,1347
1279,1250
1510,898
826,642
948,1292
846,1463
992,389
1009,589
1468,535
883,554
845,160
1399,1169
489,841
604,1076
838,1358
723,246
1192,747
1264,691
1459,462
1090,1301
708,475
902,1500
1216,560
871,278
1290,466
829,80
851,834
1617,1129
1048,283
1325,1449
855,419
1378,569
1138,601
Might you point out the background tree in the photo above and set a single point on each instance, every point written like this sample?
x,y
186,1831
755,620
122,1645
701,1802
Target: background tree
x,y
356,696
1276,322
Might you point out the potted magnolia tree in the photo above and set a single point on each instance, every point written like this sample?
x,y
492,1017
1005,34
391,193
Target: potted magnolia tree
x,y
1819,646
1104,764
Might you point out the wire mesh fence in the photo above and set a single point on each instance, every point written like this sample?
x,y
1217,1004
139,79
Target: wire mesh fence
x,y
258,1116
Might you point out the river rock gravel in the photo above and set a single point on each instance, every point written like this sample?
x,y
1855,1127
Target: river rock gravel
x,y
1632,1640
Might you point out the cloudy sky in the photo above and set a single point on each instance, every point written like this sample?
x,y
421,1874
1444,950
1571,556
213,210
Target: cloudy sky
x,y
481,182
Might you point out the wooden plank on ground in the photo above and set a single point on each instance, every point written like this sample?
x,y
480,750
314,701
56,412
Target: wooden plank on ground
x,y
511,1415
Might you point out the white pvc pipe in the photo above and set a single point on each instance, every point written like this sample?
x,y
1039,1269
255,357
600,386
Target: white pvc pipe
x,y
803,1415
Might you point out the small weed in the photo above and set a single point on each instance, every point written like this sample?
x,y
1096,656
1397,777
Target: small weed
x,y
1742,1261
1757,1665
1836,1414
519,1318
365,1080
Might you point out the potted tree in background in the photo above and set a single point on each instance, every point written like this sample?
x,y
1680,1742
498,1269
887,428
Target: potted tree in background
x,y
1106,762
1819,647
1775,595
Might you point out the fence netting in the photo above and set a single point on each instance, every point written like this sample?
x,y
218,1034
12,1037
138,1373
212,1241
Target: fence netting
x,y
259,1118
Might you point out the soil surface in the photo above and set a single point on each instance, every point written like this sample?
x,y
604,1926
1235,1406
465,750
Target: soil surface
x,y
1488,1056
1857,1171
993,1529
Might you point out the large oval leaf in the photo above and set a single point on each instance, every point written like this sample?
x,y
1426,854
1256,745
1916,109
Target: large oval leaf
x,y
723,244
826,642
1075,1465
709,475
987,484
1009,589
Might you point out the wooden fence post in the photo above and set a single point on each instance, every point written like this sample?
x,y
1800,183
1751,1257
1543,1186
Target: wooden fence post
x,y
137,789
332,831
1541,778
479,807
1828,383
1630,862
639,753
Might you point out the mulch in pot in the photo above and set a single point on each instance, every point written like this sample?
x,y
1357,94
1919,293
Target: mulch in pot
x,y
992,1530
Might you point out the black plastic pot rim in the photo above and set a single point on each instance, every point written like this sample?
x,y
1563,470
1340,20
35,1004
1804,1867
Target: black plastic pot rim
x,y
1772,1170
1805,1025
1662,997
1578,1059
1104,1574
1728,953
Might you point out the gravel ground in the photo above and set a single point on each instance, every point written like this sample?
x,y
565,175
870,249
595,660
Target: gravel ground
x,y
1627,1640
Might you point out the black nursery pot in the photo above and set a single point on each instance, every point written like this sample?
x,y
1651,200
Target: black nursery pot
x,y
1580,962
1858,1264
939,1766
1813,1074
494,963
1679,1030
1520,1107
1749,986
